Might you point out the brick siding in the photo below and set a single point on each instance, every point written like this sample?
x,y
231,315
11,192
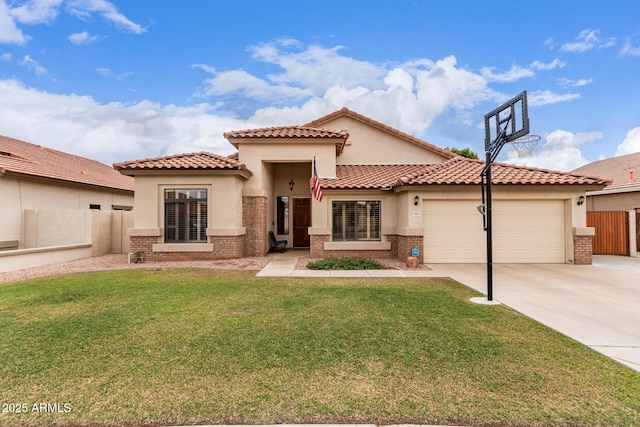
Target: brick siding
x,y
254,219
317,249
407,243
583,250
224,247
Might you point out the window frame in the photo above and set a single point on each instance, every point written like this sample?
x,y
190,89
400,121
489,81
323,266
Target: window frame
x,y
193,206
351,210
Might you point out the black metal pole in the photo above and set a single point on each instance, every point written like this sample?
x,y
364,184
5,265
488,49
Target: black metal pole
x,y
488,229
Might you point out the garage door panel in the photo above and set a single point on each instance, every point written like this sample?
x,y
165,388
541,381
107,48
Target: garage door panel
x,y
531,231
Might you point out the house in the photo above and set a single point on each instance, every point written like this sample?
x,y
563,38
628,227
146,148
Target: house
x,y
384,193
621,199
47,198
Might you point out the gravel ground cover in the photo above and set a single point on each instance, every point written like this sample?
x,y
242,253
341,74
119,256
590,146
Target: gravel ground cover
x,y
119,262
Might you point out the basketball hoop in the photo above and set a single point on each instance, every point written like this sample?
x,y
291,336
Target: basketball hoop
x,y
525,145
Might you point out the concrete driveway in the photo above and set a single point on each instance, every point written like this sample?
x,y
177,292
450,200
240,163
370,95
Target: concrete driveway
x,y
597,305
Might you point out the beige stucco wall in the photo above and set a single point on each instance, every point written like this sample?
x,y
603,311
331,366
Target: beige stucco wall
x,y
613,202
259,156
29,258
224,194
56,227
17,195
368,145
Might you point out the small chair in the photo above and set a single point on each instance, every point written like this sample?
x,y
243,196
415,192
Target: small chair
x,y
277,245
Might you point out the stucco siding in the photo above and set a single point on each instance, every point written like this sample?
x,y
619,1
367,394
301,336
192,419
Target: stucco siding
x,y
19,195
368,145
614,202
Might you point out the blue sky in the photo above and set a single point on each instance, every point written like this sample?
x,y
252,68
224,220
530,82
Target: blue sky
x,y
121,80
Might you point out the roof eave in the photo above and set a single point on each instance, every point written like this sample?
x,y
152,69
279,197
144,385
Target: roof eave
x,y
246,174
49,180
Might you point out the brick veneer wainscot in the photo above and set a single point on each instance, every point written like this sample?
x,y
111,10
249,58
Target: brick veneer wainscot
x,y
254,219
583,250
224,247
317,249
406,245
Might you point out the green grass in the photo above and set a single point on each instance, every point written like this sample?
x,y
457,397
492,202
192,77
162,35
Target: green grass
x,y
201,346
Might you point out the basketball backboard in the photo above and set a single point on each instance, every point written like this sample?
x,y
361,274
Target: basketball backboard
x,y
510,119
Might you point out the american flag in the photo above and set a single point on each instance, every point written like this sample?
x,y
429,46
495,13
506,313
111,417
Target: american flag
x,y
317,190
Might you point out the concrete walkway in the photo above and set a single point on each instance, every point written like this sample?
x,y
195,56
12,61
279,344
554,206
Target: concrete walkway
x,y
284,266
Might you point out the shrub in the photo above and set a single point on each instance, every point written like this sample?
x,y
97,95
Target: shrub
x,y
347,263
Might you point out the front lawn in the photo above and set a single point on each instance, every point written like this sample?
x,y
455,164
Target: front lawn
x,y
204,346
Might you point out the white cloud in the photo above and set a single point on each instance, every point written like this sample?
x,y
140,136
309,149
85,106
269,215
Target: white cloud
x,y
9,32
556,63
115,131
574,83
32,12
316,68
587,40
518,72
108,73
560,151
37,11
408,96
409,99
631,143
33,65
82,38
629,48
546,97
6,57
514,74
83,9
239,82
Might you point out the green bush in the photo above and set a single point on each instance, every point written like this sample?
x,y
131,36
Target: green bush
x,y
347,263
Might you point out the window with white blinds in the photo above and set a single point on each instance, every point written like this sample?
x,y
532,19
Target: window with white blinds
x,y
356,220
185,215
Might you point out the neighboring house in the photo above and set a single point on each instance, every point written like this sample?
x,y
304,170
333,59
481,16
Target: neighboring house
x,y
623,195
384,193
46,197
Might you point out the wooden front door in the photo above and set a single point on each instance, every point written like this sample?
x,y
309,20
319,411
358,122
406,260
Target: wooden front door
x,y
301,222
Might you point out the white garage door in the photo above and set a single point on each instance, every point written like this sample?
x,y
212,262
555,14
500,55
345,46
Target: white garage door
x,y
528,231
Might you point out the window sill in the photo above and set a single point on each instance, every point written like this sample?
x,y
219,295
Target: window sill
x,y
183,247
357,246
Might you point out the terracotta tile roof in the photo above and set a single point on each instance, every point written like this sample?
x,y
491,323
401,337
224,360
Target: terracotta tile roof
x,y
296,132
26,159
287,132
456,171
461,171
379,125
190,161
624,170
369,176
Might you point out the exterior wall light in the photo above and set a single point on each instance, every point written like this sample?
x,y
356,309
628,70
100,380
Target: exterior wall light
x,y
291,183
416,200
580,200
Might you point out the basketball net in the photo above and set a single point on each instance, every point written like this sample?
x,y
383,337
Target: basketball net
x,y
525,145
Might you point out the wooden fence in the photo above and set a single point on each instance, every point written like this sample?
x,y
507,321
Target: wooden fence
x,y
612,232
